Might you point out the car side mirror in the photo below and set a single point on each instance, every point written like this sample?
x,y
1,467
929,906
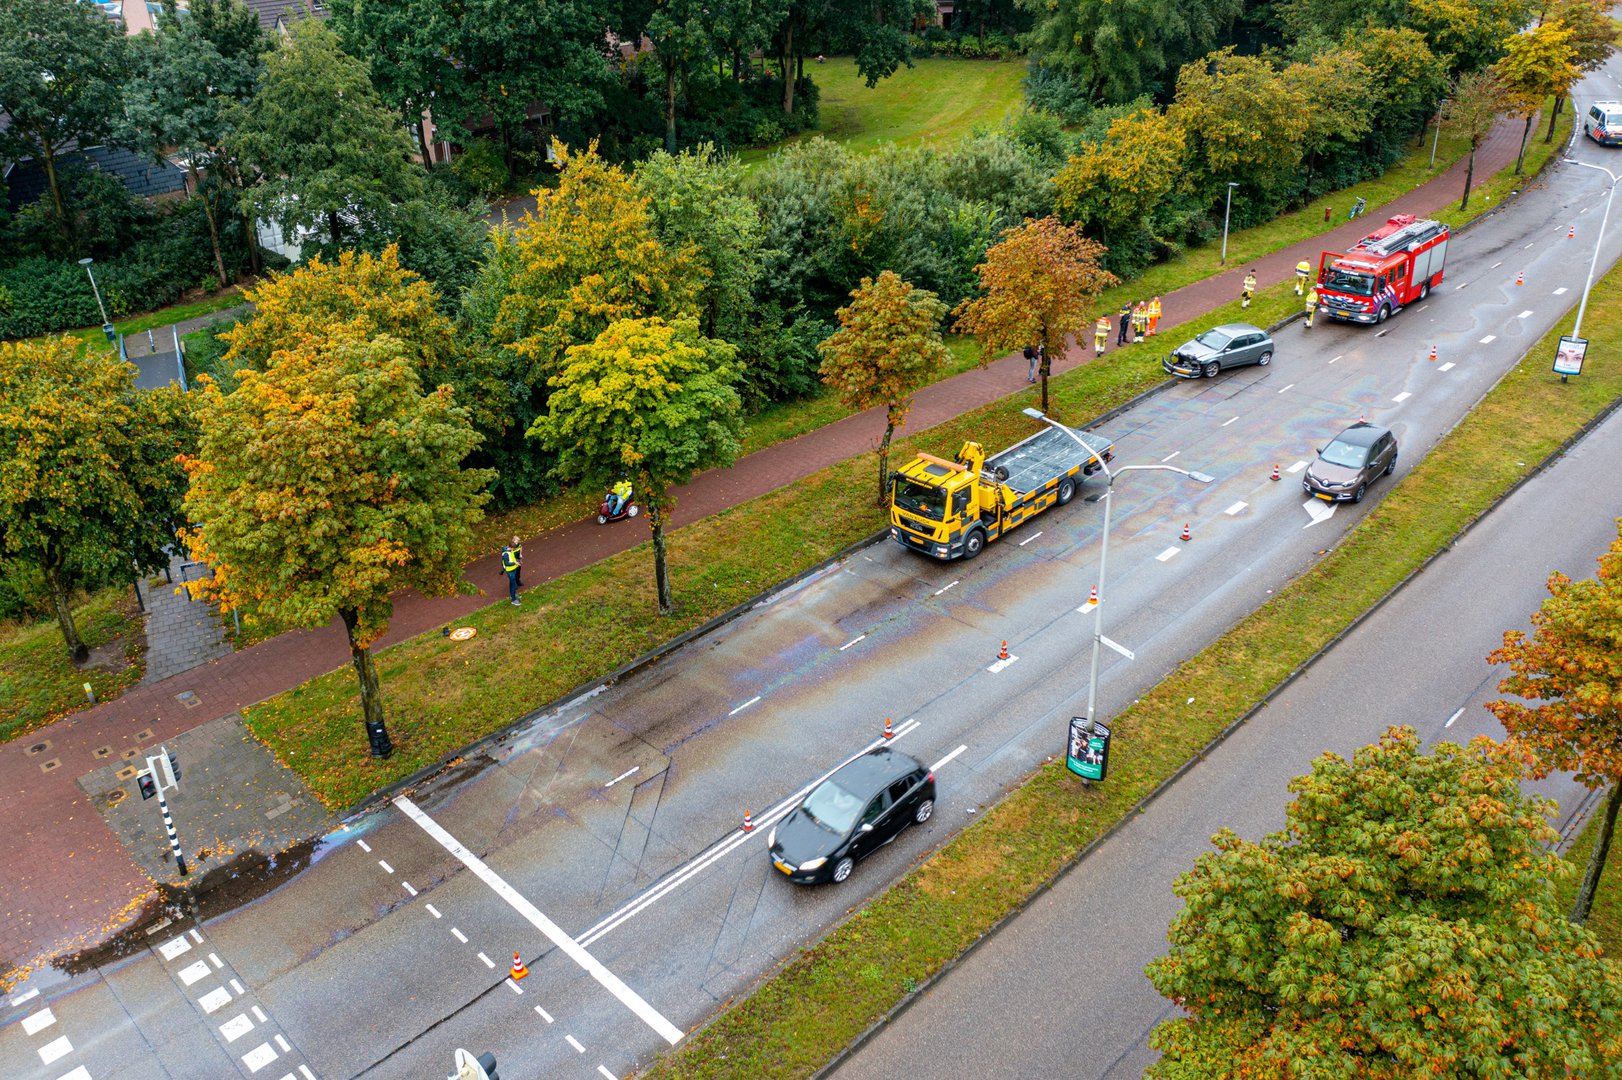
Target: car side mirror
x,y
867,826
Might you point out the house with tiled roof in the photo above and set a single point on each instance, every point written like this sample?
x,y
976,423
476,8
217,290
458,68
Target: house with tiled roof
x,y
25,180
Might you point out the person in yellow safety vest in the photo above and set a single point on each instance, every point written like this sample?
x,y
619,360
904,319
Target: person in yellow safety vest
x,y
1303,270
518,554
1100,334
1140,320
1312,304
1154,316
1248,290
509,566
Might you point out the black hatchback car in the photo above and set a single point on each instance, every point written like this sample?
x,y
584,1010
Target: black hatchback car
x,y
1356,458
852,814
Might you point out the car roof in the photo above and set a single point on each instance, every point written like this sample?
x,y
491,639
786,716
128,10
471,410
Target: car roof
x,y
1234,329
875,769
1362,433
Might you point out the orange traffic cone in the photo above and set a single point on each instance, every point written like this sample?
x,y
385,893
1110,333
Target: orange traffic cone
x,y
889,729
1433,353
1275,472
1571,233
748,822
1002,654
519,970
1520,277
1093,599
1186,534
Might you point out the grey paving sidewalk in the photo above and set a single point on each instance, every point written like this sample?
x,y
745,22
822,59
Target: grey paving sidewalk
x,y
161,338
181,633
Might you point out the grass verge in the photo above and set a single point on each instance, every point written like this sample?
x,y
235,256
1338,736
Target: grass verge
x,y
91,336
826,996
1605,918
38,683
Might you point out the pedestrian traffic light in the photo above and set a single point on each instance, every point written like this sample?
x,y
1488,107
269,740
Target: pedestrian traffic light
x,y
148,786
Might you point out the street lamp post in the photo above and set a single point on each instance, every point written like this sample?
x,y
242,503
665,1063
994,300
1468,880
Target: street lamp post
x,y
1103,547
1437,138
1225,211
1582,306
106,324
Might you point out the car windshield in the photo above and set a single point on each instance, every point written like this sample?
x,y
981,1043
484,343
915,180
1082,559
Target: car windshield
x,y
1348,281
1214,339
929,502
832,807
1347,454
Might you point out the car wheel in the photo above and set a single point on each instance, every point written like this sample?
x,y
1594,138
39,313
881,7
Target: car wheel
x,y
1385,313
1391,466
974,542
1067,490
1357,496
1264,359
1210,369
925,808
843,867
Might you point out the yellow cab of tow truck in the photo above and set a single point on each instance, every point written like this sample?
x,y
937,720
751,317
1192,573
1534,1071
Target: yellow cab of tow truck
x,y
951,509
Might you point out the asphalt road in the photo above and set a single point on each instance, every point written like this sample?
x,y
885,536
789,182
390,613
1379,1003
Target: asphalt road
x,y
601,843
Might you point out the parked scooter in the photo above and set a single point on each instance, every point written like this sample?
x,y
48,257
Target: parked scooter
x,y
617,504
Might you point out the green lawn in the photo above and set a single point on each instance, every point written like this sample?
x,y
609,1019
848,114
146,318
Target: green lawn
x,y
937,101
92,335
39,683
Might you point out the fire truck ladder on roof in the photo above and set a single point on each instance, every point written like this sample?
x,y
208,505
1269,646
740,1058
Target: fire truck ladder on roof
x,y
1406,238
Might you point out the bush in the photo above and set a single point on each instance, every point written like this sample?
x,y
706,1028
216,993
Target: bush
x,y
482,167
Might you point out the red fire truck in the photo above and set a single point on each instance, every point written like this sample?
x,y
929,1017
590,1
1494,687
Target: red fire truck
x,y
1390,268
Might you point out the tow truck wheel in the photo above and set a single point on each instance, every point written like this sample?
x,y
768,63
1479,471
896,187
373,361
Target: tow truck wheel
x,y
1067,490
974,542
1385,313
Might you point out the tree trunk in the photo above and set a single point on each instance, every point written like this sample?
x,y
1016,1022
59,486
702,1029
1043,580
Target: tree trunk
x,y
1596,861
670,107
251,229
1469,175
1526,132
1554,114
60,596
884,454
213,228
661,572
1045,370
788,75
69,233
371,694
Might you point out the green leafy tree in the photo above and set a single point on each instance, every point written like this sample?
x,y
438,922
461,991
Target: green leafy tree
x,y
697,204
1121,188
887,346
327,482
183,88
1567,682
1244,123
1118,49
1469,34
997,170
1341,89
328,155
61,69
1403,926
804,200
1593,40
1537,64
1472,110
1406,71
649,400
89,485
366,297
1038,284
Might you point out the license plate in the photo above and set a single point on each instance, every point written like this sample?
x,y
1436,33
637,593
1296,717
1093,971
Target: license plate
x,y
783,866
1325,498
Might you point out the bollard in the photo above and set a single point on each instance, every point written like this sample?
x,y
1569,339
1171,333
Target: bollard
x,y
90,693
1327,211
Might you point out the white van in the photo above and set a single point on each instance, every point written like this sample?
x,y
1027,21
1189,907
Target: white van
x,y
1603,123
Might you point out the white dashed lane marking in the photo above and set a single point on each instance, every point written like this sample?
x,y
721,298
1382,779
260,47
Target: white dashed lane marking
x,y
938,591
489,963
432,910
1561,291
80,1073
259,1057
1495,266
543,1014
744,706
408,888
1297,467
54,1049
1168,554
189,975
1489,339
851,642
364,846
459,935
283,1043
259,1014
1028,539
604,1070
574,1042
1524,314
1228,421
1290,387
236,1027
387,869
20,998
215,999
1402,397
1446,367
171,949
1235,508
1169,456
34,1023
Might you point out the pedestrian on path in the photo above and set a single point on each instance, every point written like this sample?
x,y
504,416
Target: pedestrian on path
x,y
1140,320
1030,359
1126,324
1248,290
1154,316
1303,270
1100,334
518,556
1312,305
509,566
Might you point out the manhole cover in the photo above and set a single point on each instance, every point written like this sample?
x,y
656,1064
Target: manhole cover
x,y
116,796
40,747
188,698
462,633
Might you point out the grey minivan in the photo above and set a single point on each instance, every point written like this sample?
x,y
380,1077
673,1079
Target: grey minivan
x,y
1220,348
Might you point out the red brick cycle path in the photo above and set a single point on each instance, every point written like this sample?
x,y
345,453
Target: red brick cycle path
x,y
68,880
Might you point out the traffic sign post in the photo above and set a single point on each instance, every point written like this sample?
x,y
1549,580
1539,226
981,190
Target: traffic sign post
x,y
1087,750
163,774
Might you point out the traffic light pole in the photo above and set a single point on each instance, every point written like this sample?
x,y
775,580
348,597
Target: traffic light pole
x,y
160,768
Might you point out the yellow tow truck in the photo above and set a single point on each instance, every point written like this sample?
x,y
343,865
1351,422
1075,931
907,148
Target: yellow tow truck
x,y
950,509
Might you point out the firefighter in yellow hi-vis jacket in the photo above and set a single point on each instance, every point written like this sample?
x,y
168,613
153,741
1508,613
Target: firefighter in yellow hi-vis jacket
x,y
1303,270
1100,334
